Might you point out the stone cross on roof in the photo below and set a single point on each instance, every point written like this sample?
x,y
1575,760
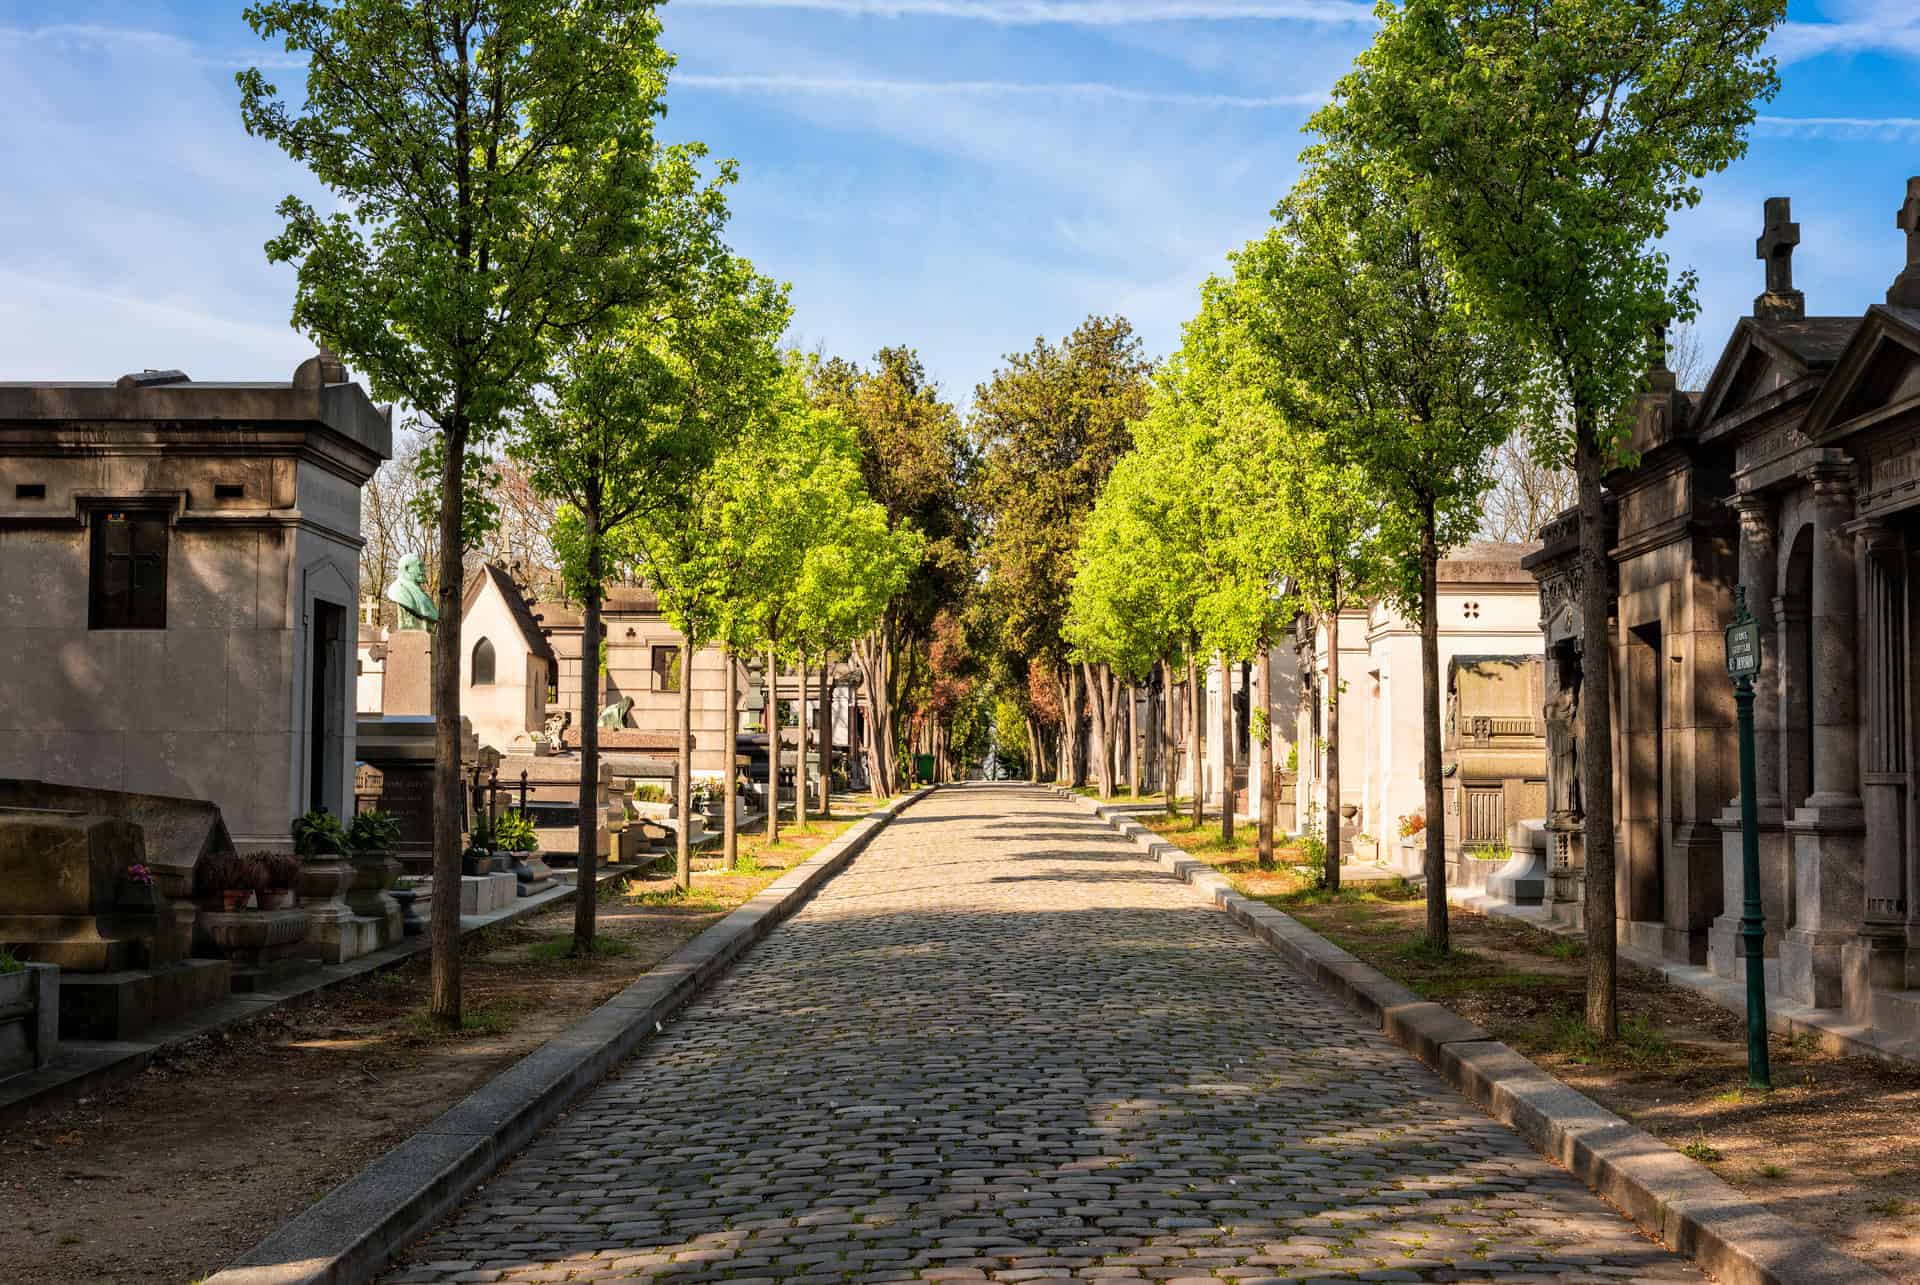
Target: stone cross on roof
x,y
1780,301
1906,287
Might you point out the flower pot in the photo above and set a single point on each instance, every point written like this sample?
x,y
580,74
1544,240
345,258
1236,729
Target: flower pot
x,y
236,898
276,899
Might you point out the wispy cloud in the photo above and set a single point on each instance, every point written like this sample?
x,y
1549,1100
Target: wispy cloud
x,y
161,44
1082,90
1085,13
1878,128
1799,41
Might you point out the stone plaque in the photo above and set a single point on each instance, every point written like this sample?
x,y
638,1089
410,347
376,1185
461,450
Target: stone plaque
x,y
407,792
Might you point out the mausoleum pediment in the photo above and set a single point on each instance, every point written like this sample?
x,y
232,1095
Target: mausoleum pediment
x,y
1764,358
1876,379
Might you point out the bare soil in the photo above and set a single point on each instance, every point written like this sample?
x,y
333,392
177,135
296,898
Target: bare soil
x,y
177,1173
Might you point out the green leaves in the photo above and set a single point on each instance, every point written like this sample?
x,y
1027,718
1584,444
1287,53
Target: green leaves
x,y
1544,144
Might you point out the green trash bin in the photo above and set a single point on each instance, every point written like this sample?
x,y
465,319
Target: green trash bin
x,y
923,767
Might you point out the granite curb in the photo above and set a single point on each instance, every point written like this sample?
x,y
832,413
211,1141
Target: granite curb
x,y
1678,1200
353,1231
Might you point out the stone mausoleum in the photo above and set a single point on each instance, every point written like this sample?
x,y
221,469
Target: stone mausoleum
x,y
179,568
1796,473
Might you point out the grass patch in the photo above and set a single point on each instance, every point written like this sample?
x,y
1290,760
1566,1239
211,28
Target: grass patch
x,y
1891,1207
1565,948
680,899
491,1017
1772,1172
1640,1044
1702,1150
562,948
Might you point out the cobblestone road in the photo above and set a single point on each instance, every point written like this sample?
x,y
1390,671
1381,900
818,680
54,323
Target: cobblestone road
x,y
1004,1045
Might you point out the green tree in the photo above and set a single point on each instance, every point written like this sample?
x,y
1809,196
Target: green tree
x,y
914,462
1545,145
1408,381
641,403
1048,427
489,159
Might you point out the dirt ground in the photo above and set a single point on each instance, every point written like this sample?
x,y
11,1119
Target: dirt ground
x,y
173,1175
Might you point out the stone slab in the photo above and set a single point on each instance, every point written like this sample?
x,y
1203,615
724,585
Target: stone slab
x,y
123,1005
1671,1197
351,1233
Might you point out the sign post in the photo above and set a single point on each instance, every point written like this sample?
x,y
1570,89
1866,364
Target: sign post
x,y
1743,662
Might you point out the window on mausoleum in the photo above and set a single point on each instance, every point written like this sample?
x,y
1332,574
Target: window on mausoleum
x,y
666,669
128,581
483,664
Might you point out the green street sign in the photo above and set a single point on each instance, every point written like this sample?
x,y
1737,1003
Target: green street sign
x,y
1743,639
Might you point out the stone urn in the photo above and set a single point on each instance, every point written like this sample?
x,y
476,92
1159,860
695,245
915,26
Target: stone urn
x,y
246,935
324,880
374,873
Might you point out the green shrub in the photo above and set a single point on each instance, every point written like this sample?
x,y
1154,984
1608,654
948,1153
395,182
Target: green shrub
x,y
8,964
649,794
1493,852
319,834
373,831
514,833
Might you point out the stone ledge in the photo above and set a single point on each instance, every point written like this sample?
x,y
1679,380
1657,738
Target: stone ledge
x,y
351,1234
1677,1200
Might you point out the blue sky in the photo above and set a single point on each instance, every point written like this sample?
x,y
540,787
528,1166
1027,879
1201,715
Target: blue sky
x,y
958,175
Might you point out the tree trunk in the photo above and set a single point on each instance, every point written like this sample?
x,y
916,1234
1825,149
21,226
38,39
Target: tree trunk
x,y
773,748
448,805
1097,707
1229,743
1596,731
875,658
585,905
800,759
1169,740
1133,741
823,724
1436,831
1332,695
1193,741
1263,754
683,843
730,810
1033,750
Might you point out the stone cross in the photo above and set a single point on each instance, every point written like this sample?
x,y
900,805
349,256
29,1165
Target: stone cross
x,y
1776,244
1906,286
1779,301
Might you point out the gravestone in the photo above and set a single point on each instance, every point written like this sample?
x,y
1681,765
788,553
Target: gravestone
x,y
69,895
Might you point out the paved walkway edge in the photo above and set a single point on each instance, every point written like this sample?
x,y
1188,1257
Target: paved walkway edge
x,y
1677,1200
352,1232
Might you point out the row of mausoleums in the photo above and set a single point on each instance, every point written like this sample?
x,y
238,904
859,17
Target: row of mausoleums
x,y
1796,473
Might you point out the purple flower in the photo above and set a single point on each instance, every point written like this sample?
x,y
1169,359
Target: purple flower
x,y
140,874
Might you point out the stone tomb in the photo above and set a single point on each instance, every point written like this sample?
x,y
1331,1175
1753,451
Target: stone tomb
x,y
71,900
1494,758
191,551
1796,473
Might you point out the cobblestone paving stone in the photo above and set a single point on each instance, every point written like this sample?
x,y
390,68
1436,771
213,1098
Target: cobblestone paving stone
x,y
1003,1045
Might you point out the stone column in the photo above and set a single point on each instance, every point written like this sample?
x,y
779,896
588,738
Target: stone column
x,y
1836,720
1828,832
1759,573
1878,960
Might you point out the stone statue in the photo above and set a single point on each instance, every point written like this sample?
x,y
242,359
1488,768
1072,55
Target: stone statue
x,y
557,725
615,715
409,592
1563,752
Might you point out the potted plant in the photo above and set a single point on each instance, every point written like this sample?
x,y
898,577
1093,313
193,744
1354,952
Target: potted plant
x,y
321,842
707,795
228,879
513,832
283,877
478,857
372,838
